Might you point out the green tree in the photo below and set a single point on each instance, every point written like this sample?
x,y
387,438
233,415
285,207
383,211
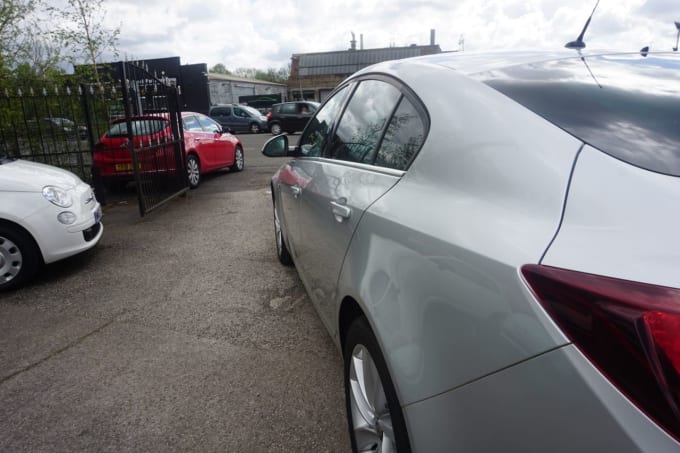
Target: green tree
x,y
270,75
14,30
83,34
219,68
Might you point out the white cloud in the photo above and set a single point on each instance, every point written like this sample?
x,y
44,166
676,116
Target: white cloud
x,y
263,34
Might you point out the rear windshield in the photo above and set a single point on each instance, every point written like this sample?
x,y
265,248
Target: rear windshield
x,y
146,126
625,105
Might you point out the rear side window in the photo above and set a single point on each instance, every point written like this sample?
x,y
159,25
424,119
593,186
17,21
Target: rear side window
x,y
404,137
289,108
220,111
365,118
627,106
140,127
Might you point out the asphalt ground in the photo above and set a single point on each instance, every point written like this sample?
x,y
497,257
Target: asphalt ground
x,y
179,331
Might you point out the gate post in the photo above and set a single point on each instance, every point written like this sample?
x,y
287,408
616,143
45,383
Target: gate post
x,y
97,181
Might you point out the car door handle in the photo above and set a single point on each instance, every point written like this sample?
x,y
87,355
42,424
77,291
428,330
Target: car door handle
x,y
297,190
340,210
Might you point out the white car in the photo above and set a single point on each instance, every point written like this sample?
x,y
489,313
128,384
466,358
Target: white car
x,y
46,214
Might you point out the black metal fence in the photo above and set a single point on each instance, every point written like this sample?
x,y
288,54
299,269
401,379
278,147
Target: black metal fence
x,y
62,125
57,124
155,136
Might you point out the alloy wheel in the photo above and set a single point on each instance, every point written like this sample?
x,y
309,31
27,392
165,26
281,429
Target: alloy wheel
x,y
371,418
238,159
193,171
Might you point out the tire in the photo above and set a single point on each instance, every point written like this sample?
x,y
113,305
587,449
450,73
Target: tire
x,y
281,249
239,161
19,257
275,129
254,128
370,395
193,171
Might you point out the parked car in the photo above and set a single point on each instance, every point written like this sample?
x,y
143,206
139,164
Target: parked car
x,y
46,214
57,127
207,147
290,117
491,241
239,118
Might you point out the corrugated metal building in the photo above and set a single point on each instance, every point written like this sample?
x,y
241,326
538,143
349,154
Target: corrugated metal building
x,y
314,75
227,89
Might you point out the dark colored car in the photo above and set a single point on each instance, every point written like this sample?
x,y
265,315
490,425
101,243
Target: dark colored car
x,y
58,127
290,117
239,118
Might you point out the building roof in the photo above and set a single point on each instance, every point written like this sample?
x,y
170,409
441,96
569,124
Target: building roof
x,y
350,61
231,78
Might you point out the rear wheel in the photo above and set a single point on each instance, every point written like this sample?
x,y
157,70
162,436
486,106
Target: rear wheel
x,y
193,171
281,249
19,257
375,418
239,160
275,128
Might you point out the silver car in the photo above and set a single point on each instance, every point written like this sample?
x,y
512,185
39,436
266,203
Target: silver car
x,y
492,242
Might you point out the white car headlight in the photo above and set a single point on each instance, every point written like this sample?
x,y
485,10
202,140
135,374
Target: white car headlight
x,y
57,196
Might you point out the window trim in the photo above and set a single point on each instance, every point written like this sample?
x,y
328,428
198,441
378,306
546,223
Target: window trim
x,y
404,90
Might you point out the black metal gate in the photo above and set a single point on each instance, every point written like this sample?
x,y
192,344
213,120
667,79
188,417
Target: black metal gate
x,y
155,136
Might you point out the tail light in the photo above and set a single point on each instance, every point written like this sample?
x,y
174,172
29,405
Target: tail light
x,y
269,116
99,146
630,331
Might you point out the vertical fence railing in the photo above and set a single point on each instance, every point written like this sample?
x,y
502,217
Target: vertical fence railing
x,y
61,125
56,125
155,137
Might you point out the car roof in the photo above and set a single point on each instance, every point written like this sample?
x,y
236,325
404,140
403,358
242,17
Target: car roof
x,y
624,104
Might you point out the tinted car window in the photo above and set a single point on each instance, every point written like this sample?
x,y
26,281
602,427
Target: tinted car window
x,y
625,105
240,113
289,108
314,140
403,138
139,127
220,111
364,121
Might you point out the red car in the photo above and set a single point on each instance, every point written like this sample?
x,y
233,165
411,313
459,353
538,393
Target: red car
x,y
207,147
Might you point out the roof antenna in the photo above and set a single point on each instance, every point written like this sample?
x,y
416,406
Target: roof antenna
x,y
578,43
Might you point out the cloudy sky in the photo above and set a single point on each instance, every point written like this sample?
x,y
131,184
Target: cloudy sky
x,y
264,33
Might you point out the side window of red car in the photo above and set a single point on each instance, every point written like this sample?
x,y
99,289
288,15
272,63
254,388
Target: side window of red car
x,y
208,125
191,123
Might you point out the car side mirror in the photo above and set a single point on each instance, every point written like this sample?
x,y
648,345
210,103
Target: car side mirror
x,y
278,147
